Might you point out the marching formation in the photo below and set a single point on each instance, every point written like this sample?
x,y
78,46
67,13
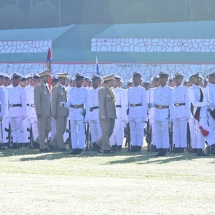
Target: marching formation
x,y
98,114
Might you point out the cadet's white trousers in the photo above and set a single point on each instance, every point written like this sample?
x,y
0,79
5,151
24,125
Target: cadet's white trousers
x,y
180,133
136,131
16,129
197,139
5,129
153,133
34,126
118,133
95,130
26,133
162,134
77,134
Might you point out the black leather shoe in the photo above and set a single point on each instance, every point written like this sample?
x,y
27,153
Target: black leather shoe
x,y
114,148
164,152
119,148
74,152
96,147
200,153
62,149
108,152
193,150
176,150
80,151
1,148
153,148
14,146
138,148
44,150
36,145
212,149
133,148
159,153
181,150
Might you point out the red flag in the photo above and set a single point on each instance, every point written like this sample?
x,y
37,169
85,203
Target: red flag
x,y
48,65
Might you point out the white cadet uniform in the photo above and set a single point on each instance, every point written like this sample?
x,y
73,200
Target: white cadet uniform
x,y
2,112
164,111
210,96
181,116
137,104
5,121
78,100
16,112
198,100
26,122
95,127
121,111
31,111
150,100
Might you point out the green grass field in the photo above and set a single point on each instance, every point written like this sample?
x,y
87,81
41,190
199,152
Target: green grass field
x,y
55,183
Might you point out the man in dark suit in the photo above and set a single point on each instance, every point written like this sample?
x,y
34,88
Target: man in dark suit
x,y
107,114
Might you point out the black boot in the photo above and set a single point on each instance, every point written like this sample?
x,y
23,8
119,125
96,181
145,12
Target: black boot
x,y
80,151
133,149
176,150
119,148
153,148
212,149
74,152
138,148
114,148
164,151
194,150
159,153
14,146
1,148
96,147
200,153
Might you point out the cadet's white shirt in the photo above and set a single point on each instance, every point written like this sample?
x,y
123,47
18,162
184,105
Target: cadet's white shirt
x,y
163,96
210,95
30,100
121,99
194,96
93,102
17,95
181,96
78,96
137,95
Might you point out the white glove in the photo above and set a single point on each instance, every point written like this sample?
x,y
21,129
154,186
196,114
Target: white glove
x,y
63,104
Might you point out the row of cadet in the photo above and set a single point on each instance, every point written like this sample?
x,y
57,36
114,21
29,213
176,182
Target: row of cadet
x,y
73,110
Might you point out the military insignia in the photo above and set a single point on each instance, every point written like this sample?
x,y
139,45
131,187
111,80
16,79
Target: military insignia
x,y
77,74
161,73
176,74
134,73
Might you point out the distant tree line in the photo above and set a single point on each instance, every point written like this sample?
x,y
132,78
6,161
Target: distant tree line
x,y
54,13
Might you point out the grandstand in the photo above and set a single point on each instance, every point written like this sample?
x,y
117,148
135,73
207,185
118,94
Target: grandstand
x,y
122,49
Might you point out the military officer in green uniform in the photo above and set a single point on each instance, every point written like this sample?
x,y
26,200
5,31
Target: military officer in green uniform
x,y
43,109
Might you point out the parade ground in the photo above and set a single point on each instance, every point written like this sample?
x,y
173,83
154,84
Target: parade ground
x,y
123,183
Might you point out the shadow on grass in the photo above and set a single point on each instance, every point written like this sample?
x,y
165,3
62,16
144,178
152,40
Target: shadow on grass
x,y
148,158
123,157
